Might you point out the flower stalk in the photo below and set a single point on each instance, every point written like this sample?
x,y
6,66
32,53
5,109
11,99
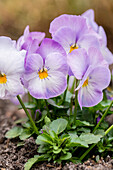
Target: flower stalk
x,y
64,97
75,110
102,118
28,115
92,146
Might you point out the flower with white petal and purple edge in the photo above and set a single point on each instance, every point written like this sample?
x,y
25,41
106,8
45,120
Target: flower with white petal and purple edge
x,y
93,73
11,69
89,15
30,40
72,32
46,71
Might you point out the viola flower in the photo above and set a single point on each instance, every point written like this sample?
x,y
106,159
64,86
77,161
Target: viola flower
x,y
89,15
11,69
72,32
46,71
108,56
30,40
93,73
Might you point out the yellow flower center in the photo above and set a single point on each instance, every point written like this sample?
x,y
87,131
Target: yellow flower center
x,y
73,47
85,83
3,78
43,73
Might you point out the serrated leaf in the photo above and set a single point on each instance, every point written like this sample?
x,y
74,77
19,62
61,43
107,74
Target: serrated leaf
x,y
58,125
25,134
100,132
90,138
66,157
78,142
14,132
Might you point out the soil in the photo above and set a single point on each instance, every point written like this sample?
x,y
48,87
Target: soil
x,y
14,158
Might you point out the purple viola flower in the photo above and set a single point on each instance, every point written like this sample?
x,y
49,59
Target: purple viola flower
x,y
46,71
100,33
72,33
93,73
11,69
108,56
98,119
89,15
30,40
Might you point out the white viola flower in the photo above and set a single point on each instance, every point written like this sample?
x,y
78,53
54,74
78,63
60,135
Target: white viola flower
x,y
11,69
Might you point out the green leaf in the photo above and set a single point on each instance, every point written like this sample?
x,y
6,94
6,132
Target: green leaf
x,y
90,138
58,125
25,134
83,123
14,132
73,134
78,142
105,103
83,129
66,157
20,144
20,120
32,161
44,138
52,102
100,132
44,113
57,151
27,125
47,120
28,105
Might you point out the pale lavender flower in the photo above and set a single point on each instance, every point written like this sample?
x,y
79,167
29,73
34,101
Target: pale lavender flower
x,y
72,33
46,71
93,73
108,56
11,69
89,15
30,40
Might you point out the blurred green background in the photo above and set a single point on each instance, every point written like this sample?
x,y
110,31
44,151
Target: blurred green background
x,y
16,14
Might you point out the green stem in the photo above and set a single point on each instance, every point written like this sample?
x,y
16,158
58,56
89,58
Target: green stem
x,y
64,97
28,115
92,146
73,86
47,108
71,106
108,130
75,110
104,115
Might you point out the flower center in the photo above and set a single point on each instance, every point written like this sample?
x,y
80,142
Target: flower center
x,y
3,78
73,47
85,83
43,73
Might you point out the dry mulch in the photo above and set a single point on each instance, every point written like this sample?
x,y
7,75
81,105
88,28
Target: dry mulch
x,y
14,158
